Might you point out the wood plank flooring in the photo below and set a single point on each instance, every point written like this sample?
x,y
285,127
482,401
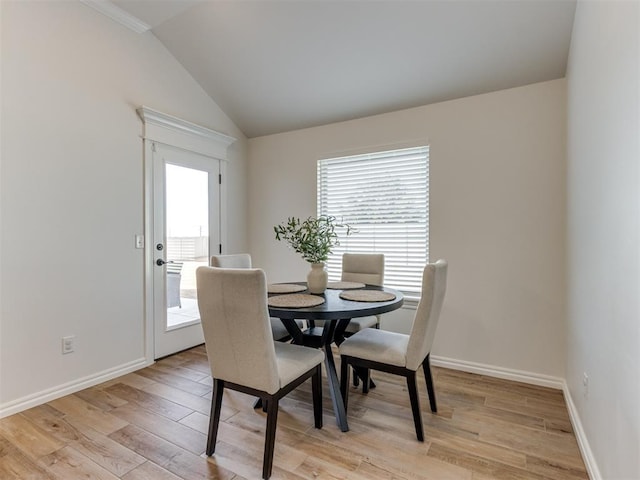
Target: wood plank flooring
x,y
152,425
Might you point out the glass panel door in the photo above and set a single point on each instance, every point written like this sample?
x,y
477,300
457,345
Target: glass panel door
x,y
186,213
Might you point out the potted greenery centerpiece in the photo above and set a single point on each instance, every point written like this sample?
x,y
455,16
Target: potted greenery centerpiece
x,y
312,238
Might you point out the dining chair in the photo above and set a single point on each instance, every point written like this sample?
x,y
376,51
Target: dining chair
x,y
398,353
243,260
364,268
233,301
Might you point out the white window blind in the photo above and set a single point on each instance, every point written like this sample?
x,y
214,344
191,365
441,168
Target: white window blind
x,y
385,196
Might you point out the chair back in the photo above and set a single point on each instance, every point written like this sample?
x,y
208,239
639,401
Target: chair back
x,y
238,260
434,285
237,331
363,267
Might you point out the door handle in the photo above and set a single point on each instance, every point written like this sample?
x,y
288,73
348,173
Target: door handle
x,y
161,262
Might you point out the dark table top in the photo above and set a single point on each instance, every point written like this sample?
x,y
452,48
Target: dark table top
x,y
335,307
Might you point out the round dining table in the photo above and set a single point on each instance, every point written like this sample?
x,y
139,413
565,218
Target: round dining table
x,y
336,313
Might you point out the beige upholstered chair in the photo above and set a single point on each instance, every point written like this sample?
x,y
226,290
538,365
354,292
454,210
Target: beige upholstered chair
x,y
364,268
236,260
243,260
397,353
233,302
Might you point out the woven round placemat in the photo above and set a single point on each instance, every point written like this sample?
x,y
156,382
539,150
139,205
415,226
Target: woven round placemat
x,y
367,296
344,285
285,288
295,300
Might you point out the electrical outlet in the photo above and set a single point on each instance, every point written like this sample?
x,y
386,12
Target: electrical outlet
x,y
585,384
68,344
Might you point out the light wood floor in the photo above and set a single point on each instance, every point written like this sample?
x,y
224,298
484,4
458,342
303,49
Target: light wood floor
x,y
152,424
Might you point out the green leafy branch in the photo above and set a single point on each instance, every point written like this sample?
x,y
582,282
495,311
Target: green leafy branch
x,y
312,238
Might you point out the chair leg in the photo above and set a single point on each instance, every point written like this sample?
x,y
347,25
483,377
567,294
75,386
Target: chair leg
x,y
270,437
359,372
426,366
344,381
259,404
316,389
366,380
415,404
214,417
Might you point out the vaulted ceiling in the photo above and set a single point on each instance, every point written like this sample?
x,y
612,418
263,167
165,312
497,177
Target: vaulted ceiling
x,y
275,66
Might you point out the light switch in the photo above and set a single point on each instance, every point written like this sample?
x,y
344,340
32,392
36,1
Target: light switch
x,y
139,241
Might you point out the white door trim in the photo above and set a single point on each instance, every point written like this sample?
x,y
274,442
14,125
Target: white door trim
x,y
169,130
179,133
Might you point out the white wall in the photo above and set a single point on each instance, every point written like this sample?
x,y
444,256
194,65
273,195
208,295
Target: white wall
x,y
497,215
604,233
72,189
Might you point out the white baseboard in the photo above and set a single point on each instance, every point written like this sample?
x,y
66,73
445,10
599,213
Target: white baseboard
x,y
49,394
581,437
499,372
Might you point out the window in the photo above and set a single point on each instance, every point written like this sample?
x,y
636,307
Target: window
x,y
385,196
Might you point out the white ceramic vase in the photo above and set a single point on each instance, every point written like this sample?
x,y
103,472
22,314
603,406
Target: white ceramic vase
x,y
317,278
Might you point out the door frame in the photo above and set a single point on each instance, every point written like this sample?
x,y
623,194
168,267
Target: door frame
x,y
171,339
175,132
